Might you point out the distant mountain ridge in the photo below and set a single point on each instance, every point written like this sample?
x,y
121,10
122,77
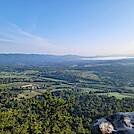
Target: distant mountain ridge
x,y
45,59
35,58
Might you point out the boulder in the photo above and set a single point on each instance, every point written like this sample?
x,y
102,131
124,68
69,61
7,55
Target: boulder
x,y
118,123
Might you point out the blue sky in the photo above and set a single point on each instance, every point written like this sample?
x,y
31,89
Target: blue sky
x,y
80,27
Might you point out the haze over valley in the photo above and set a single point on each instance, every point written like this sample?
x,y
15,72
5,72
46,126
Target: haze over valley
x,y
67,67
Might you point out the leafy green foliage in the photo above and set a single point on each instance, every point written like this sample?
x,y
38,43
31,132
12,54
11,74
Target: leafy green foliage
x,y
79,95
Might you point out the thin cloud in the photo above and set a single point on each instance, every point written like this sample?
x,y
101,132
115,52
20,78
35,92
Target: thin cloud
x,y
14,34
7,40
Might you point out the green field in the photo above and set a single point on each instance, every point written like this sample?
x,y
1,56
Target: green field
x,y
90,76
117,95
27,94
68,79
14,84
89,89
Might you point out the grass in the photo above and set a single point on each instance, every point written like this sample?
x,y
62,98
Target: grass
x,y
61,85
90,76
52,79
12,75
83,74
27,72
90,89
14,84
27,94
105,86
117,95
130,88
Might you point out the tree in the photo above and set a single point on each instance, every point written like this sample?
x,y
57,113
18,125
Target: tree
x,y
53,114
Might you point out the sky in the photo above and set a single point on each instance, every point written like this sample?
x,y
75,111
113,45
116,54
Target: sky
x,y
60,27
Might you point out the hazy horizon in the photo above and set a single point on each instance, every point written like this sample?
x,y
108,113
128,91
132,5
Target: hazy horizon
x,y
86,28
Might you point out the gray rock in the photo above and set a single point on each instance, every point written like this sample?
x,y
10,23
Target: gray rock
x,y
119,123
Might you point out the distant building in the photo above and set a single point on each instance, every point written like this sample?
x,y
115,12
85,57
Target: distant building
x,y
29,86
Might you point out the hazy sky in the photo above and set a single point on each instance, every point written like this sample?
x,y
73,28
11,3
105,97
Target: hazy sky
x,y
82,27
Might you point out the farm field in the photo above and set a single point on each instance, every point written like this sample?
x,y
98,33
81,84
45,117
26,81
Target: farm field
x,y
29,82
84,92
117,95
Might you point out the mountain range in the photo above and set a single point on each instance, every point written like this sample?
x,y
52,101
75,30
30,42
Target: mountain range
x,y
45,59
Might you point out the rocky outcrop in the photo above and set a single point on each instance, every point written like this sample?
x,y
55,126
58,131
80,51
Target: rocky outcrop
x,y
119,123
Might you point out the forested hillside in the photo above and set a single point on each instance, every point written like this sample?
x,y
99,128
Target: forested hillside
x,y
50,113
63,98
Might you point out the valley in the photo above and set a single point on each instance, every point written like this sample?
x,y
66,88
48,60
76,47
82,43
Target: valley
x,y
68,96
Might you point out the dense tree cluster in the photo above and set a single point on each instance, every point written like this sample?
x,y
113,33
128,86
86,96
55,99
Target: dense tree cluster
x,y
70,112
79,95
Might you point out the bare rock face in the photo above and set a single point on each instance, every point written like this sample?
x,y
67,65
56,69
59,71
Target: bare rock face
x,y
119,123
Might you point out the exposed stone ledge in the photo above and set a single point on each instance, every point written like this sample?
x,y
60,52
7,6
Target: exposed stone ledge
x,y
119,123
